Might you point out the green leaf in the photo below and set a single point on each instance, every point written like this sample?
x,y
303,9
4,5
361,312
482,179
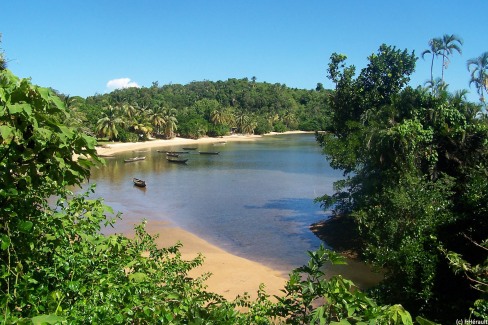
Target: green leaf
x,y
137,277
25,226
18,108
47,319
6,131
5,242
423,321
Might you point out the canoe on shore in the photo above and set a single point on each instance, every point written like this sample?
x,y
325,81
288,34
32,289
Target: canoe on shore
x,y
209,152
139,182
134,159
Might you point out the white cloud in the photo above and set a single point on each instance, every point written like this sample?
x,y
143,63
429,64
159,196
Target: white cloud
x,y
121,83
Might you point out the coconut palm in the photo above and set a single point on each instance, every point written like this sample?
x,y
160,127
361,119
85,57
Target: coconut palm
x,y
107,125
171,123
435,50
221,115
290,120
129,110
155,114
479,75
450,44
245,123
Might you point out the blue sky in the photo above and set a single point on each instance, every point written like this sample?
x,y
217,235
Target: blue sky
x,y
78,47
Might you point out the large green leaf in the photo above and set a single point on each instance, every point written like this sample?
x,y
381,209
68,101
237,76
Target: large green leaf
x,y
6,132
48,319
17,108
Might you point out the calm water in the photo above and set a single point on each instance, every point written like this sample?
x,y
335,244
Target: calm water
x,y
254,199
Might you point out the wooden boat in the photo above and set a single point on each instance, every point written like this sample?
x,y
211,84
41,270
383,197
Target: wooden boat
x,y
209,152
177,152
189,148
177,160
134,159
139,182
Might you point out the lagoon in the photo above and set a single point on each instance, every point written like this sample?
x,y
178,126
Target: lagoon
x,y
254,199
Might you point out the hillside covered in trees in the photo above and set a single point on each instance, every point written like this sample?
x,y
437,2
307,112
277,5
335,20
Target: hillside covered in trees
x,y
200,108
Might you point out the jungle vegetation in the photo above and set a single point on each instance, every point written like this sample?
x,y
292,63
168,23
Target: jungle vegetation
x,y
415,167
415,162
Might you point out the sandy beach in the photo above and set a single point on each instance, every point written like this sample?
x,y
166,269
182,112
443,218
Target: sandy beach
x,y
231,275
117,147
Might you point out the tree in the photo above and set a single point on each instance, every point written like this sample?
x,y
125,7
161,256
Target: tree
x,y
155,115
478,68
412,163
129,110
450,44
435,50
107,125
171,123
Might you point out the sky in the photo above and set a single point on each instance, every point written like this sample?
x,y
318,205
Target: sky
x,y
88,47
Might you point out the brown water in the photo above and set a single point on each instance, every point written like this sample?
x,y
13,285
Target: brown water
x,y
255,199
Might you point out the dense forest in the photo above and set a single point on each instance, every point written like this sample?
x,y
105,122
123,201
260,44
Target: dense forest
x,y
415,165
200,108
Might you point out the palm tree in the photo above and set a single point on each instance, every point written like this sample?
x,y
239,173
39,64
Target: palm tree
x,y
221,115
107,125
450,43
245,123
129,110
171,123
155,115
479,75
435,50
437,87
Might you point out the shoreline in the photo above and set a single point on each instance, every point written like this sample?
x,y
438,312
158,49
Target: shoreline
x,y
232,275
118,147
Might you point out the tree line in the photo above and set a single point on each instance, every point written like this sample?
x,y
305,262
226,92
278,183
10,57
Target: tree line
x,y
200,108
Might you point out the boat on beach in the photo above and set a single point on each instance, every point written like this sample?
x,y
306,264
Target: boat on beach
x,y
177,160
139,182
134,159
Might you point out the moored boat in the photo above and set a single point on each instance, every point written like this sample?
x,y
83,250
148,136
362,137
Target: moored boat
x,y
209,152
178,152
134,159
177,160
139,182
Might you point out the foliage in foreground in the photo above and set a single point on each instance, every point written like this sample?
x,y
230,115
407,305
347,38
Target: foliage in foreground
x,y
56,267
